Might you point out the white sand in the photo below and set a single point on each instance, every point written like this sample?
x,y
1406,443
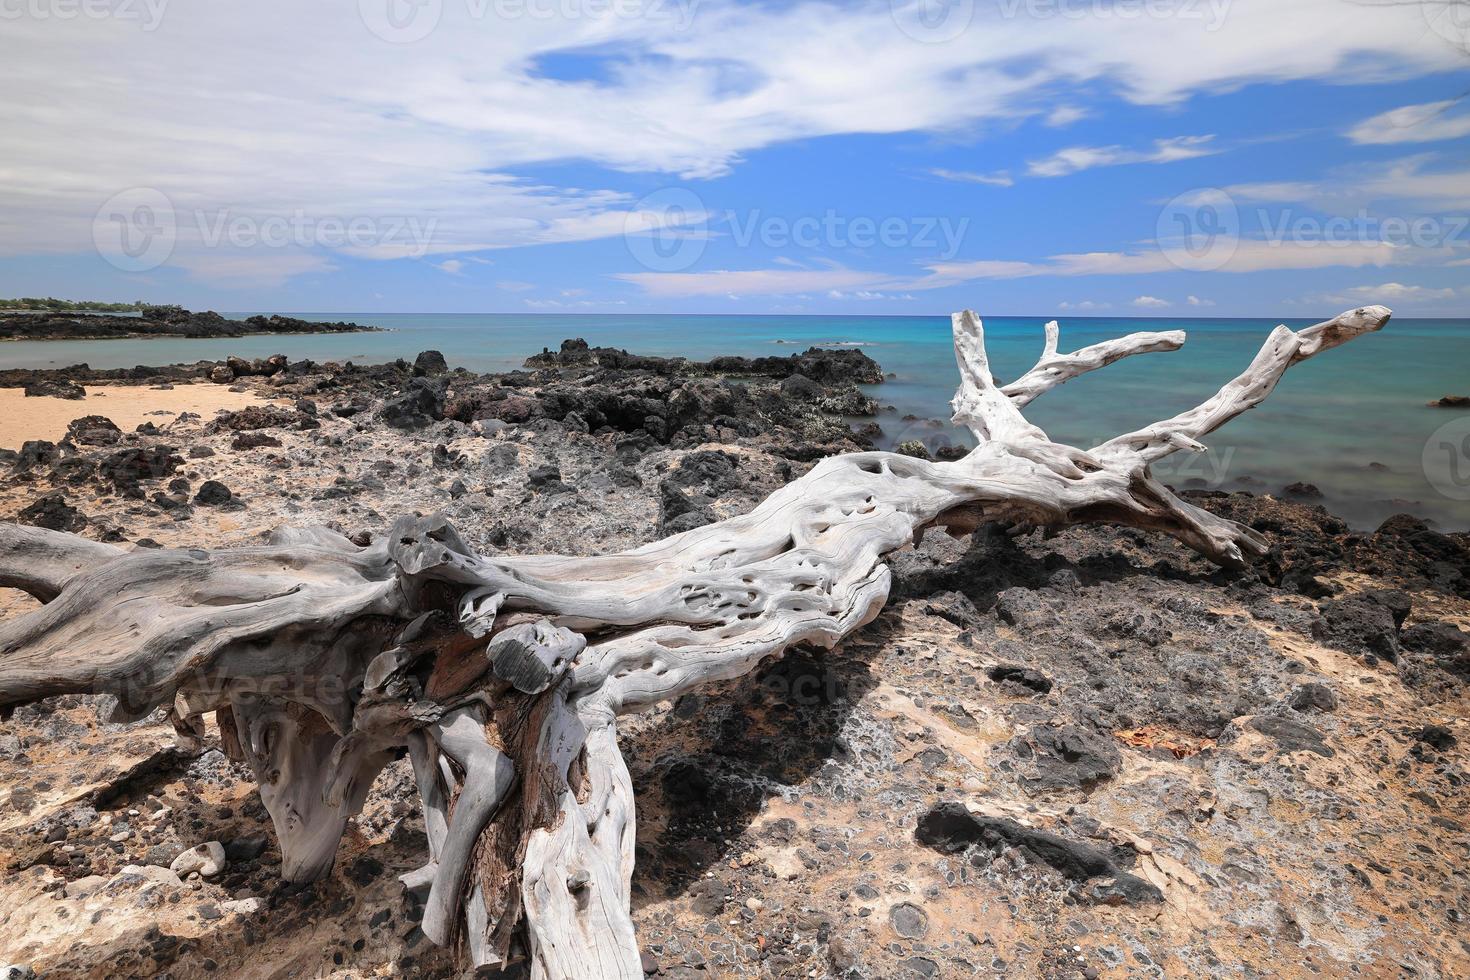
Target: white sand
x,y
128,406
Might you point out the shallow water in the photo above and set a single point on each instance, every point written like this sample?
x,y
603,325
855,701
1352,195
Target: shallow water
x,y
1329,419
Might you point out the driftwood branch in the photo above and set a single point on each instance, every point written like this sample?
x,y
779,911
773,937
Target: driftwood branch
x,y
502,677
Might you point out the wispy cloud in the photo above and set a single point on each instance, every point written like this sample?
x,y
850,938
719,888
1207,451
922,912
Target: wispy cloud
x,y
1421,181
1065,115
1427,122
1077,158
1151,302
999,178
1249,256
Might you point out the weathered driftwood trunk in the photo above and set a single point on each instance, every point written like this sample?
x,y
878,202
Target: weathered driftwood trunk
x,y
502,677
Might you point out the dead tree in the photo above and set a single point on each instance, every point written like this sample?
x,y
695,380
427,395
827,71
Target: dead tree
x,y
502,677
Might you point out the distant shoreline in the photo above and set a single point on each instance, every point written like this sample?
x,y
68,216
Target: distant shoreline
x,y
157,322
181,336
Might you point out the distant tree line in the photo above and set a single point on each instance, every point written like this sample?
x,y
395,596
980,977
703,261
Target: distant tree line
x,y
64,305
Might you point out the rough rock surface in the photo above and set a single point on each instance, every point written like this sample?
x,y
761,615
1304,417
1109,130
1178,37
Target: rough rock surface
x,y
1090,755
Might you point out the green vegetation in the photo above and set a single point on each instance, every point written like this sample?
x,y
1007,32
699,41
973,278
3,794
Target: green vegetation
x,y
63,305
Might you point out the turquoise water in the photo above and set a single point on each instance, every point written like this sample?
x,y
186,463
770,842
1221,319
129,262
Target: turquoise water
x,y
1327,421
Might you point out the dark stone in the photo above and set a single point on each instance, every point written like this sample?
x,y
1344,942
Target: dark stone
x,y
1292,736
1065,758
955,607
429,362
951,828
420,405
1024,676
1301,491
1441,640
1124,889
53,513
243,849
1360,624
126,467
1438,737
254,440
908,920
93,430
1313,697
55,388
542,475
213,493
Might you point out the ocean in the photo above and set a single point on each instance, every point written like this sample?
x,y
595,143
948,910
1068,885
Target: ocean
x,y
1353,422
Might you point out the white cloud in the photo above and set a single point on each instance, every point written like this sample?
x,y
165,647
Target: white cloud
x,y
293,106
452,266
1424,123
581,304
753,282
1076,158
1151,302
1000,178
1249,256
1065,115
1085,304
1412,183
1393,292
1196,301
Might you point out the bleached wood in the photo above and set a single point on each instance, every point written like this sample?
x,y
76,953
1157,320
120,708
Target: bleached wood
x,y
508,712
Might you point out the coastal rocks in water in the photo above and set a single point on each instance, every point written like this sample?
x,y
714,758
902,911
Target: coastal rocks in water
x,y
93,430
914,448
155,321
54,388
1301,491
208,860
1451,401
820,364
53,513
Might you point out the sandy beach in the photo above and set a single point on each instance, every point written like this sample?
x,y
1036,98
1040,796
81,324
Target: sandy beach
x,y
44,417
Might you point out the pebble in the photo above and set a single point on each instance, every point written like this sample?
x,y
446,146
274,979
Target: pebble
x,y
207,859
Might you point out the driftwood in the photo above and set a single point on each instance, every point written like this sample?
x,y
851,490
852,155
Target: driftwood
x,y
502,677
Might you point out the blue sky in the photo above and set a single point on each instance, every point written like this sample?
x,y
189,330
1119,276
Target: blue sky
x,y
1117,157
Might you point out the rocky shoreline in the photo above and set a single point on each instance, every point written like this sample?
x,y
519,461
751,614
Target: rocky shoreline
x,y
156,321
1080,755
